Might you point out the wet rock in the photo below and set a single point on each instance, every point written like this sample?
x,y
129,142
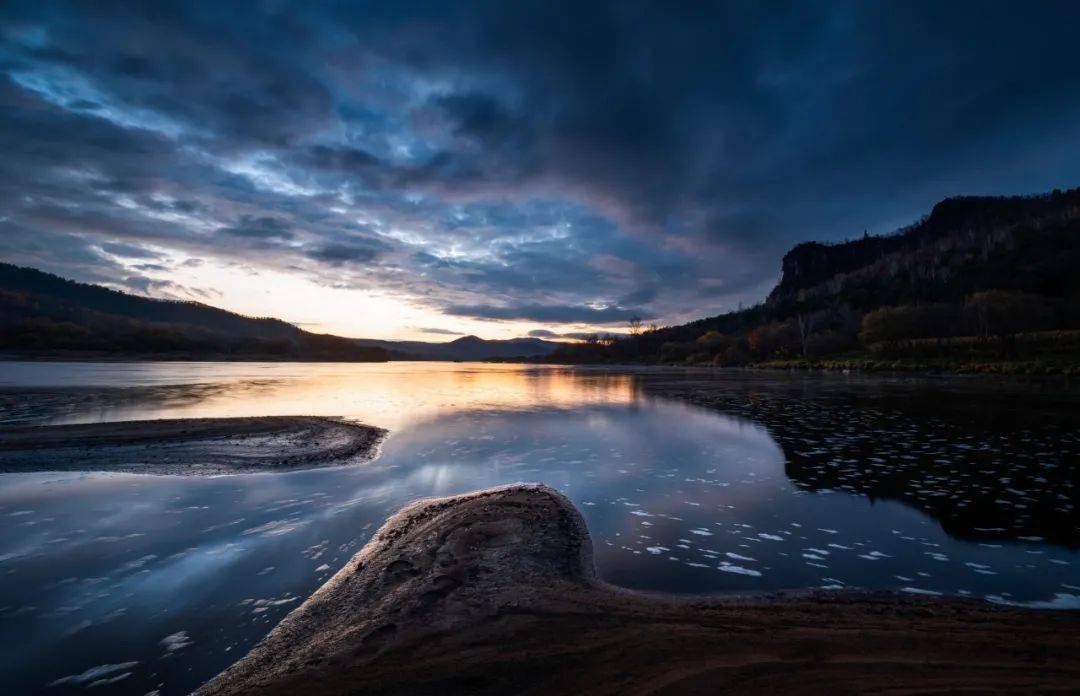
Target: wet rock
x,y
495,592
187,446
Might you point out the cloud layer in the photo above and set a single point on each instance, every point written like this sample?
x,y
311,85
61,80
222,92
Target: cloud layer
x,y
557,164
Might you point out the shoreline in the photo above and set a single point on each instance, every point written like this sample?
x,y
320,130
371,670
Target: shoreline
x,y
839,367
496,591
190,446
866,367
166,357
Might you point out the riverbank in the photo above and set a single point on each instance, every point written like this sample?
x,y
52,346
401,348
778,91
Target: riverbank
x,y
495,592
189,446
174,356
868,364
1020,368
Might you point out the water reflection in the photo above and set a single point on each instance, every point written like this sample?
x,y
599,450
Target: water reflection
x,y
990,461
159,582
383,394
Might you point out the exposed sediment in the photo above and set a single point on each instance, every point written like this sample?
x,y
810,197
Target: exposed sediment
x,y
188,446
495,592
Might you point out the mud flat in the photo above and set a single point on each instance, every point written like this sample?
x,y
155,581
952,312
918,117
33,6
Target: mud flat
x,y
199,446
495,592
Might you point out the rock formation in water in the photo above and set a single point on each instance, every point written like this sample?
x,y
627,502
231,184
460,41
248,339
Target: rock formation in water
x,y
189,446
495,592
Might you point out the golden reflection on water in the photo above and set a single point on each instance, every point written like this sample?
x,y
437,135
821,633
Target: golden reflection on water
x,y
383,394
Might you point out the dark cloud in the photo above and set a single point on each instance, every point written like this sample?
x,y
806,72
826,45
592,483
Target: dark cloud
x,y
161,288
525,160
259,228
573,335
344,253
130,251
440,332
561,314
480,116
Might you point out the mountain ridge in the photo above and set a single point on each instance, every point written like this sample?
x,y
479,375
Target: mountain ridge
x,y
45,314
965,227
952,291
1025,248
42,314
468,348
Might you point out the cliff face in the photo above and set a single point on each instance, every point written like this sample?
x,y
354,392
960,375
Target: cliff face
x,y
1028,244
962,245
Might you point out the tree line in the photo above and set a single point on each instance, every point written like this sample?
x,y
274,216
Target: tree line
x,y
989,322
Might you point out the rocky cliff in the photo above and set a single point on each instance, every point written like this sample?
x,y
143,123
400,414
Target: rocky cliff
x,y
964,244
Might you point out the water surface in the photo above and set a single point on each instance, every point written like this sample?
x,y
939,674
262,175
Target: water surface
x,y
143,583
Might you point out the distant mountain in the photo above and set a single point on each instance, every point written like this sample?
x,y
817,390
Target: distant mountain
x,y
42,314
465,348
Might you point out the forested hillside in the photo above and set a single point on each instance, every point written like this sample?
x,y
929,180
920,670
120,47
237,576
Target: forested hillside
x,y
979,283
44,315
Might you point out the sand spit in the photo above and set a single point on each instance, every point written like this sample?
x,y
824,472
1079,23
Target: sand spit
x,y
494,592
203,446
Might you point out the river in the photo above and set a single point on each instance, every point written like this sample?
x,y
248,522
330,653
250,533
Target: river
x,y
156,583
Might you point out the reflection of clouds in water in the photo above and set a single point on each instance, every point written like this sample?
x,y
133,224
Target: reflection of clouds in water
x,y
175,641
275,527
675,497
654,465
989,463
179,572
385,394
106,402
97,676
1061,600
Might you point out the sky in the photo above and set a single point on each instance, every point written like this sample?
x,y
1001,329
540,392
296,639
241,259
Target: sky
x,y
429,170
